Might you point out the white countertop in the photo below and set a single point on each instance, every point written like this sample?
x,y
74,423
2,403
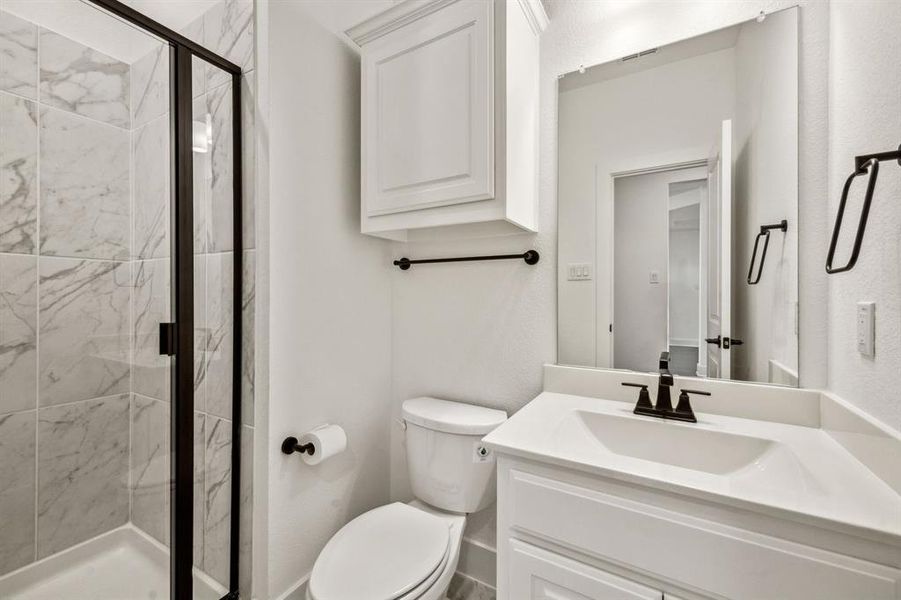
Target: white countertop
x,y
806,472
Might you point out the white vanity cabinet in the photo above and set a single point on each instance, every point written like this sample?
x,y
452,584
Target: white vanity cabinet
x,y
449,118
565,535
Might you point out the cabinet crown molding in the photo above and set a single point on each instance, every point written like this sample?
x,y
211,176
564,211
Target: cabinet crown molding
x,y
395,17
535,14
412,10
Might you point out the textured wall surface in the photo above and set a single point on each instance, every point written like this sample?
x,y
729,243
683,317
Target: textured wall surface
x,y
864,117
330,337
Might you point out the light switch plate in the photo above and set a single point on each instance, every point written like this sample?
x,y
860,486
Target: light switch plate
x,y
578,271
654,277
866,328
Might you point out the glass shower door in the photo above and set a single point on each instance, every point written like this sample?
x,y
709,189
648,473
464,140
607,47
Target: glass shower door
x,y
121,302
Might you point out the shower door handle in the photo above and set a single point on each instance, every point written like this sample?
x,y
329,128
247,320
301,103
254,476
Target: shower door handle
x,y
167,339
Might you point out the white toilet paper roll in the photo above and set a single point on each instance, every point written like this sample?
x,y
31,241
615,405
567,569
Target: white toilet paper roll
x,y
327,440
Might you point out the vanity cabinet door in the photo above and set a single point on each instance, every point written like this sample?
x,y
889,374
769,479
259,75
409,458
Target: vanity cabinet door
x,y
537,574
428,112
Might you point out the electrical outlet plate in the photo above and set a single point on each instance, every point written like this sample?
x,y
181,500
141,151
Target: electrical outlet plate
x,y
866,328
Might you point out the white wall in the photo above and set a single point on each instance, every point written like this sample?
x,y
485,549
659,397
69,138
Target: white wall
x,y
864,117
329,290
766,187
655,117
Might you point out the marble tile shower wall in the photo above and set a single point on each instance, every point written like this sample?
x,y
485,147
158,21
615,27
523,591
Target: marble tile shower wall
x,y
84,282
65,292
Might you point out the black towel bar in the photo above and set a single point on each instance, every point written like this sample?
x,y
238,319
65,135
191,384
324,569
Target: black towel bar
x,y
530,256
863,165
765,234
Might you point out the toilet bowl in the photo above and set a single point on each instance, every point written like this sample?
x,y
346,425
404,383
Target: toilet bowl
x,y
410,551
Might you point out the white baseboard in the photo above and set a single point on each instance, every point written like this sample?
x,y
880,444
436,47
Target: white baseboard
x,y
478,561
298,591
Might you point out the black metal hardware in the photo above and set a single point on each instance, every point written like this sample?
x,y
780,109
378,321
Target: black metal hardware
x,y
290,446
765,234
167,339
724,342
863,165
663,361
664,383
530,256
682,412
644,398
181,51
683,409
663,408
182,420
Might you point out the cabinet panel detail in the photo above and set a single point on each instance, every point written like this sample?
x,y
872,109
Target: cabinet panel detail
x,y
428,112
537,574
694,552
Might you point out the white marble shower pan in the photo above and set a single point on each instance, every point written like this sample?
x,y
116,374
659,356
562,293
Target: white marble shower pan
x,y
122,564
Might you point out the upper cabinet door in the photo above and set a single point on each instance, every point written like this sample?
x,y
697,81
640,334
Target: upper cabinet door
x,y
428,112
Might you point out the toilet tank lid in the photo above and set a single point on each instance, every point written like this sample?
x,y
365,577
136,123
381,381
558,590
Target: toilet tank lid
x,y
452,417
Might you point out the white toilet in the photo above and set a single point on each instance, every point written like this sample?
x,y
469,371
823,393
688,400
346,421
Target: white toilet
x,y
406,551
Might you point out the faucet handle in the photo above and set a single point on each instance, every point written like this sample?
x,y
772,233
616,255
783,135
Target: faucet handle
x,y
683,408
644,398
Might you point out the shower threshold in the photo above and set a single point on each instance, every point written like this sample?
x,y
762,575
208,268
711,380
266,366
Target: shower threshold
x,y
122,564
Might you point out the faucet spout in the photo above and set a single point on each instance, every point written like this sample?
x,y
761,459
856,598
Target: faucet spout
x,y
664,401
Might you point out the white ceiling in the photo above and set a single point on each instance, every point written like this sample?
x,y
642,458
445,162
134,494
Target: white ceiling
x,y
83,22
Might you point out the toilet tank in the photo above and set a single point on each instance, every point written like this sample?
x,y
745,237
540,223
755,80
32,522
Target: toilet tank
x,y
449,467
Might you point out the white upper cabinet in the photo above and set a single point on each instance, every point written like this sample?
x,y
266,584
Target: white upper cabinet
x,y
450,118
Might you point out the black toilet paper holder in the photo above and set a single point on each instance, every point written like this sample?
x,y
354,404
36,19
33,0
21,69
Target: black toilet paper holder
x,y
291,445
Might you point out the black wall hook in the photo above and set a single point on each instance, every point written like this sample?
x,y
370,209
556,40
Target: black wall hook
x,y
765,234
530,256
863,165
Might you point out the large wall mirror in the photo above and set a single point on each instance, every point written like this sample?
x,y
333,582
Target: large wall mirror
x,y
678,206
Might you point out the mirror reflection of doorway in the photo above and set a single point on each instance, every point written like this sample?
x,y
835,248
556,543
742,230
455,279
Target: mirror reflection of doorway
x,y
685,336
659,269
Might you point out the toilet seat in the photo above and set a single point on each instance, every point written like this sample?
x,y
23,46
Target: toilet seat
x,y
393,552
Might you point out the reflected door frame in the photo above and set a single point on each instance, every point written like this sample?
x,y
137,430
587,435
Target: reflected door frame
x,y
605,182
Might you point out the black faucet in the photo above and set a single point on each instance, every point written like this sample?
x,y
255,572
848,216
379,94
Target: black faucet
x,y
663,409
664,403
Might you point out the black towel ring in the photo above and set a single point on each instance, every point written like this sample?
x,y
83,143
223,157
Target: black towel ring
x,y
863,165
765,234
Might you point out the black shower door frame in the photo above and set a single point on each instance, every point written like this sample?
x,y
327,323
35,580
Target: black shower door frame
x,y
181,52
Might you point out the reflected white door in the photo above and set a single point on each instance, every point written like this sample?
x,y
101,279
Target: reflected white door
x,y
719,238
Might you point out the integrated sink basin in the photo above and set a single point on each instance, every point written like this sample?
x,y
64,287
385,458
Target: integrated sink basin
x,y
780,462
676,444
